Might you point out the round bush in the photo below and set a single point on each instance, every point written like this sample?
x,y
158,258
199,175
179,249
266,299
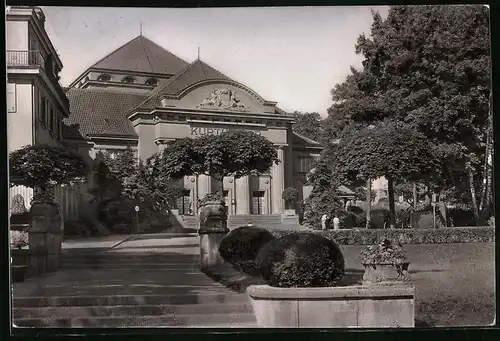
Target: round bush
x,y
301,260
379,217
241,246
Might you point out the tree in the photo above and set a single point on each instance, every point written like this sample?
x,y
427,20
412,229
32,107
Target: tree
x,y
43,166
390,149
309,125
233,153
429,67
122,165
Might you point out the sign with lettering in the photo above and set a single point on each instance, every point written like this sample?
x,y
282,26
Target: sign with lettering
x,y
199,131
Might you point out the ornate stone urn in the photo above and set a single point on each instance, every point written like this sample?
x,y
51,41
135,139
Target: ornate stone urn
x,y
385,263
386,273
213,227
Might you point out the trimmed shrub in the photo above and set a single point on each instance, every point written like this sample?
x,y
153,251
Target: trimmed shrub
x,y
301,260
379,217
460,217
241,246
115,214
405,236
76,228
356,210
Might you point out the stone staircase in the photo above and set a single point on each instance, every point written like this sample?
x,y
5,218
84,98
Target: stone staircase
x,y
270,221
151,286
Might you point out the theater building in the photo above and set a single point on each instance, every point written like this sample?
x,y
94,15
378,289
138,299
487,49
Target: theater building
x,y
145,97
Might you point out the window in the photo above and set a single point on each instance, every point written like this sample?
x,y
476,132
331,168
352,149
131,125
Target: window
x,y
128,80
104,78
11,97
305,164
152,81
51,119
43,110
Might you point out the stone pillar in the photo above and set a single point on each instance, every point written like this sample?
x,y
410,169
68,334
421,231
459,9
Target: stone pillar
x,y
45,232
213,227
242,195
204,186
278,183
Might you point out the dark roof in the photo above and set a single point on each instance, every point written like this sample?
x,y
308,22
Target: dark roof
x,y
300,139
195,72
100,112
142,55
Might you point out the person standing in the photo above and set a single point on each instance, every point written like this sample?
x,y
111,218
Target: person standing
x,y
336,223
324,218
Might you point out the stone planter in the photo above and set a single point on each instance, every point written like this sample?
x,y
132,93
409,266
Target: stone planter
x,y
386,273
45,232
213,227
389,306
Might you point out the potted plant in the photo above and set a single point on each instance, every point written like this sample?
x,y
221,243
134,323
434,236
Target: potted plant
x,y
305,287
18,242
19,214
290,195
385,262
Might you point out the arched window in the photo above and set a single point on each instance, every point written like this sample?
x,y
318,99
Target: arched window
x,y
152,81
128,80
104,78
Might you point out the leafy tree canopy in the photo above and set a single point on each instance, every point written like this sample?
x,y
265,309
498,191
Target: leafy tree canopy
x,y
45,166
309,125
235,152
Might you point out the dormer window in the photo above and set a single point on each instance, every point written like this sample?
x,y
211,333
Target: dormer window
x,y
104,78
152,82
128,80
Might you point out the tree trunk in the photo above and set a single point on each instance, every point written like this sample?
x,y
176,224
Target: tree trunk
x,y
368,202
415,194
392,207
473,193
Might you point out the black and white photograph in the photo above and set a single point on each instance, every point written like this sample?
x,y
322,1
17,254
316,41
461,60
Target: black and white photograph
x,y
250,167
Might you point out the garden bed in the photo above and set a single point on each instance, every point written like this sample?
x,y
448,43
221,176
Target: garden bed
x,y
405,236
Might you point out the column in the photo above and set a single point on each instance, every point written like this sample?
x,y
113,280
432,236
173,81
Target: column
x,y
242,195
278,183
204,186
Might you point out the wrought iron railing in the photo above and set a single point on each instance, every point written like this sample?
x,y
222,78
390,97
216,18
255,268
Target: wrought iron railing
x,y
25,59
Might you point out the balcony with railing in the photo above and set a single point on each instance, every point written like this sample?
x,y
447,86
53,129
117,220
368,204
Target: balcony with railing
x,y
34,59
25,59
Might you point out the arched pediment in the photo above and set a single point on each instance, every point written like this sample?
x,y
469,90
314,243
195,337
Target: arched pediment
x,y
221,95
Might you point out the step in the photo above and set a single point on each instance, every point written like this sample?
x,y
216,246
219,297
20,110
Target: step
x,y
133,300
172,320
132,310
74,265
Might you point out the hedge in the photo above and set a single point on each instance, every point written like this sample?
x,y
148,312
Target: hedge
x,y
405,236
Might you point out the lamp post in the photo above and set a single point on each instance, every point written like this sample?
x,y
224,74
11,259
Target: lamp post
x,y
137,219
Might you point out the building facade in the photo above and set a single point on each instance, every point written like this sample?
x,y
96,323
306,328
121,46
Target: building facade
x,y
144,97
35,97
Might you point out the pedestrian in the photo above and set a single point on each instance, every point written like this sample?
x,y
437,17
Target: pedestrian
x,y
324,218
336,223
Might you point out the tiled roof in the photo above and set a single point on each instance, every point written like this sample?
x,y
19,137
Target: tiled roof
x,y
301,138
142,55
100,112
195,72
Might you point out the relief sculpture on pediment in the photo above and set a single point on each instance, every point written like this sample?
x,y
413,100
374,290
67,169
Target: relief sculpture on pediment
x,y
223,99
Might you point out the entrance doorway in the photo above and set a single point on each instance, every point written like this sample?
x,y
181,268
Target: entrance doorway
x,y
258,202
184,203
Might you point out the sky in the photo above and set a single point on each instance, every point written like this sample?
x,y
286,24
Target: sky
x,y
291,55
